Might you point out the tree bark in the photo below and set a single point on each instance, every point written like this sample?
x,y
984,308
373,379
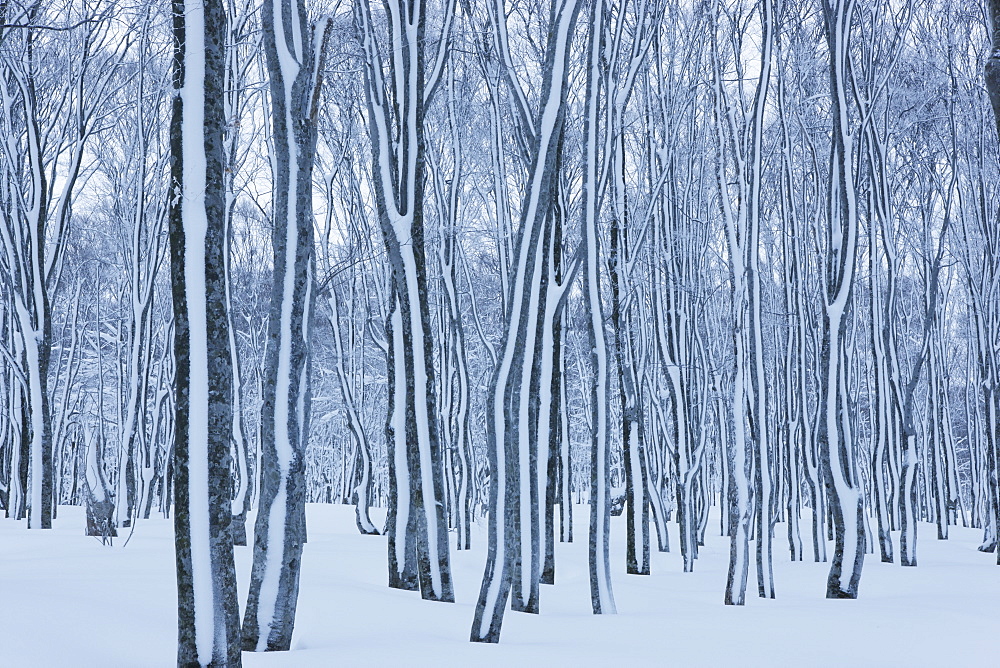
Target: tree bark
x,y
208,612
294,70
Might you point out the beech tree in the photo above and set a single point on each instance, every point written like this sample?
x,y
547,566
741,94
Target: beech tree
x,y
835,429
678,261
740,134
294,66
397,92
208,612
511,424
53,86
987,354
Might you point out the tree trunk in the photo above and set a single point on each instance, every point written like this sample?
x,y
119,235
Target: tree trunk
x,y
208,611
294,69
836,446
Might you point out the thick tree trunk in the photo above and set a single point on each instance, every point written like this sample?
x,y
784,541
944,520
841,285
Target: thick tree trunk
x,y
208,611
992,77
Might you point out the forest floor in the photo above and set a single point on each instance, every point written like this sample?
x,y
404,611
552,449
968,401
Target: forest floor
x,y
67,600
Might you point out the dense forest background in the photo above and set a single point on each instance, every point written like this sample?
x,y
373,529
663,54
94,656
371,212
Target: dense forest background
x,y
654,256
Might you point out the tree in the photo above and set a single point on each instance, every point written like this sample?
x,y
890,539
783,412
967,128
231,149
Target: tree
x,y
740,148
53,83
396,99
294,67
991,72
835,429
511,421
601,595
207,608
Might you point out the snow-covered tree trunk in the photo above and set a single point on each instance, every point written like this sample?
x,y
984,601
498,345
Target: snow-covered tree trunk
x,y
551,410
796,404
239,60
99,499
145,209
511,411
884,423
401,521
354,424
836,447
565,462
100,504
208,611
633,425
45,111
549,473
762,430
396,100
24,235
455,382
294,58
601,594
992,77
739,143
13,485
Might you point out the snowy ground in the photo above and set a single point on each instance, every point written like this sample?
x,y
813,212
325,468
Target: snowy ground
x,y
66,600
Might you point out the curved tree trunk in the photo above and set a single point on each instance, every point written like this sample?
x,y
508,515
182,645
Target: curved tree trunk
x,y
294,70
836,446
398,155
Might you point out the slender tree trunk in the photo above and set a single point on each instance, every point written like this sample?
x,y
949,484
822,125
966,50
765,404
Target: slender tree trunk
x,y
294,70
401,522
510,421
398,174
601,595
633,437
836,446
